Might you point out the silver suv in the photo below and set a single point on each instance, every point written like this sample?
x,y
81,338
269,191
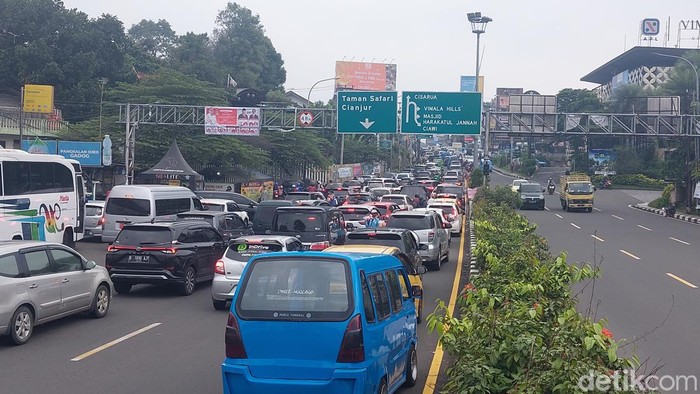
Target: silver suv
x,y
432,232
43,281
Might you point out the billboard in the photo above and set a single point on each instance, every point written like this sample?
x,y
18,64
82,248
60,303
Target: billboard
x,y
239,121
467,83
89,154
503,97
603,161
365,76
38,98
40,146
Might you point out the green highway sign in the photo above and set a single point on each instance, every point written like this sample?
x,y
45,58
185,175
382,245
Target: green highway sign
x,y
441,113
367,112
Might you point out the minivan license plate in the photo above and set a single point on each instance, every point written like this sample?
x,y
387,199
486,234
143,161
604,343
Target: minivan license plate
x,y
138,258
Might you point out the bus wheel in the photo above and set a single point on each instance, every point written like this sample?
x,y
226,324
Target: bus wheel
x,y
68,239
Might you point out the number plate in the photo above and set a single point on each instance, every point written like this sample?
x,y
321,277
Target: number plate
x,y
135,258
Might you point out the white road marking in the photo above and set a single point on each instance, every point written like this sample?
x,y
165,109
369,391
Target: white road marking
x,y
575,225
685,282
630,254
646,228
598,238
598,209
617,217
678,240
114,342
559,216
546,209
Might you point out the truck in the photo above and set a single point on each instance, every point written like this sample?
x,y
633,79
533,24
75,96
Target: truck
x,y
576,192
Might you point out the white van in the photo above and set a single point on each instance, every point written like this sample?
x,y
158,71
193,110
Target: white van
x,y
145,203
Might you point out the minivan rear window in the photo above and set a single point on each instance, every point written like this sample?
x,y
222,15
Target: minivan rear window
x,y
409,222
213,207
242,251
91,210
384,239
296,289
299,221
354,213
144,235
128,206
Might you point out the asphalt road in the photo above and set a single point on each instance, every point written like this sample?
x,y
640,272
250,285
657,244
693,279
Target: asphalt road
x,y
179,351
650,268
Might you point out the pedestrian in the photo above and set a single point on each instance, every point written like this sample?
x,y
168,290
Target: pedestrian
x,y
332,200
372,220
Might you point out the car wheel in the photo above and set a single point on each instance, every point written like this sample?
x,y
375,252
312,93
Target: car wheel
x,y
100,305
189,281
68,238
383,388
22,326
589,210
219,305
411,368
438,262
447,255
122,288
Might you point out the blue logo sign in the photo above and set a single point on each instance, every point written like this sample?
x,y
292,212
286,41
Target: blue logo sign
x,y
88,154
467,83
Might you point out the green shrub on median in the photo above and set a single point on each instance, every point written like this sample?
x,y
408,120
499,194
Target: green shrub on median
x,y
518,330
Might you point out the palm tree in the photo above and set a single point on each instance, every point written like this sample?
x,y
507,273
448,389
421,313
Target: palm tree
x,y
681,81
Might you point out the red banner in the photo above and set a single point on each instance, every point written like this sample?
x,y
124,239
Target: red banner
x,y
231,121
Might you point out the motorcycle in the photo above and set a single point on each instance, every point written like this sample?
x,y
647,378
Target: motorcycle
x,y
550,189
605,183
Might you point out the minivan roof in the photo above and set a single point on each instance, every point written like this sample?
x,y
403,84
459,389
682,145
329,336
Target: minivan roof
x,y
276,203
367,261
306,208
120,190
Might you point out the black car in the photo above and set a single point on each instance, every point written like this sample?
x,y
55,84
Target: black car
x,y
178,253
401,238
316,227
532,196
230,225
265,212
412,190
243,202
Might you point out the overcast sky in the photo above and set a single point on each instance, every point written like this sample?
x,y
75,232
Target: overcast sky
x,y
544,45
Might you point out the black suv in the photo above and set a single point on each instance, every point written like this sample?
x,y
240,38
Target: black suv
x,y
230,225
316,227
178,253
264,214
401,238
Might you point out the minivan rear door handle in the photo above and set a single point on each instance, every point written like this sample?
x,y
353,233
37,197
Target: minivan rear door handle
x,y
33,286
65,280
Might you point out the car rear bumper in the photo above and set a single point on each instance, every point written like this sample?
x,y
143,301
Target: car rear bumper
x,y
144,276
222,288
429,255
238,379
93,231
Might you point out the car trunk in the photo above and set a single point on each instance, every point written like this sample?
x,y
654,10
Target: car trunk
x,y
308,227
239,252
142,248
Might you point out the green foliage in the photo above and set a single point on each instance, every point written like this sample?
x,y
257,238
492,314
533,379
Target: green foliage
x,y
477,178
665,199
681,81
578,101
501,160
154,38
518,330
528,166
637,180
626,99
499,196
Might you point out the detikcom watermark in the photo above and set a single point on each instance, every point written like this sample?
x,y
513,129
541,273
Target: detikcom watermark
x,y
630,380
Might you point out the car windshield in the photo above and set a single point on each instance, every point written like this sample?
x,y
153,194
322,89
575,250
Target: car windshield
x,y
580,188
354,213
357,199
242,250
380,192
208,219
450,190
297,196
144,235
448,209
264,214
298,221
375,239
93,211
518,182
409,222
213,207
128,206
296,289
530,188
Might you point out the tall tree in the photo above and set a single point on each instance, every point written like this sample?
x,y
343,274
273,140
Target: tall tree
x,y
244,51
193,55
682,81
578,101
626,99
155,38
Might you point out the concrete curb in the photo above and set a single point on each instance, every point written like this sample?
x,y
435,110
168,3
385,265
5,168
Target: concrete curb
x,y
504,173
473,270
683,217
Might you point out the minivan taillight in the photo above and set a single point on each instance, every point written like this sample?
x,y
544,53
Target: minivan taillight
x,y
431,236
319,245
234,341
219,267
101,222
352,349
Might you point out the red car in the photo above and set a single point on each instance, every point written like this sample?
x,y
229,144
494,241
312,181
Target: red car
x,y
385,208
428,184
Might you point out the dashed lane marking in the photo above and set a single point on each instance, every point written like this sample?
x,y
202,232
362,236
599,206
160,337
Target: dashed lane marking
x,y
598,238
680,241
629,254
575,225
114,342
685,282
645,228
559,216
617,217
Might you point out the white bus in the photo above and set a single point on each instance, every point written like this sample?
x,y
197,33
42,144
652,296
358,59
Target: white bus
x,y
42,197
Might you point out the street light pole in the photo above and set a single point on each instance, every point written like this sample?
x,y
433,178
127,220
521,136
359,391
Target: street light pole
x,y
308,98
479,23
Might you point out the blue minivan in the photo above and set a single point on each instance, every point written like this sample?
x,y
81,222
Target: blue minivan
x,y
314,322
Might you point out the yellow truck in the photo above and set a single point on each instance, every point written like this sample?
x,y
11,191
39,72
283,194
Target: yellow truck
x,y
576,192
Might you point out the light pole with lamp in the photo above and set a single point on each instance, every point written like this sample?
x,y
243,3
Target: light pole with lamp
x,y
479,23
695,106
308,98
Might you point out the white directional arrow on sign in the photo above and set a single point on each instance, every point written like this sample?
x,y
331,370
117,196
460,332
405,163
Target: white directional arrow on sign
x,y
367,123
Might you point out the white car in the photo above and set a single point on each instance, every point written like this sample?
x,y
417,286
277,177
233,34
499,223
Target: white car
x,y
453,213
516,185
401,199
355,215
221,205
381,191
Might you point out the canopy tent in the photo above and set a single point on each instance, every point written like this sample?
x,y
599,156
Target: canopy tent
x,y
173,169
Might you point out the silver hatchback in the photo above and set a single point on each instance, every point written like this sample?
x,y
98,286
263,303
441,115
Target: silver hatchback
x,y
94,211
44,281
431,230
228,270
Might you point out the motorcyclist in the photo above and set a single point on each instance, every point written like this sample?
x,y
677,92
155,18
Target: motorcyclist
x,y
550,186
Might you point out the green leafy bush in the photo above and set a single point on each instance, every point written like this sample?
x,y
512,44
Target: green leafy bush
x,y
519,331
477,178
664,200
637,180
499,195
528,167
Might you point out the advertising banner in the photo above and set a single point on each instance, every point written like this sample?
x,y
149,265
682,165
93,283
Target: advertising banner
x,y
467,83
40,146
365,76
89,154
38,98
604,161
258,190
241,121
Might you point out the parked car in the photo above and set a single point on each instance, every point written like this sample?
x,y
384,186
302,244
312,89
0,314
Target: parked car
x,y
181,254
244,202
262,222
94,218
228,269
221,205
230,225
44,281
321,322
532,195
316,227
431,230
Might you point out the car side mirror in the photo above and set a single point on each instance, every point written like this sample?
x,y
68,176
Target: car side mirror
x,y
423,247
90,265
421,270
